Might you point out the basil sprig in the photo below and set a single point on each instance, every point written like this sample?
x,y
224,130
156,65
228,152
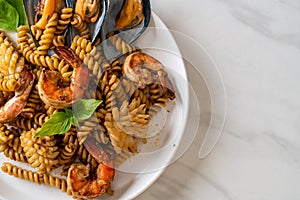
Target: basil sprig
x,y
12,14
61,122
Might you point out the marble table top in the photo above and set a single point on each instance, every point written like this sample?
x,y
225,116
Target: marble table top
x,y
256,47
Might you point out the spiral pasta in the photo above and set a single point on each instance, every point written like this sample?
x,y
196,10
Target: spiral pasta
x,y
69,148
87,127
85,157
42,152
15,155
35,58
34,104
11,65
9,85
34,176
119,139
6,134
58,40
48,35
36,32
64,20
81,26
81,46
25,124
120,44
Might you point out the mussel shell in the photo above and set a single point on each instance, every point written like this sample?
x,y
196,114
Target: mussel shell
x,y
94,27
128,36
30,8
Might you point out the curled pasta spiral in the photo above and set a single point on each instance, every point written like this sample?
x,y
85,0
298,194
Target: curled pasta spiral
x,y
11,64
132,118
41,152
158,105
89,126
36,32
48,35
81,46
81,26
120,44
85,157
9,85
24,123
58,40
69,147
21,173
34,176
15,155
119,139
64,20
95,63
33,105
40,118
36,59
6,134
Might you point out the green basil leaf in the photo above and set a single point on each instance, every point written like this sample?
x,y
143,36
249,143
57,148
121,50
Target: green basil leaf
x,y
9,17
75,121
19,6
84,108
69,112
58,123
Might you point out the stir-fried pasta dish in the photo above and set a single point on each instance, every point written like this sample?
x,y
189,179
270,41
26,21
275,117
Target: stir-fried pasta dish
x,y
65,105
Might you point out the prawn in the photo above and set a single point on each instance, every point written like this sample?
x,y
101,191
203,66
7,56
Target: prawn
x,y
14,106
56,95
79,182
144,69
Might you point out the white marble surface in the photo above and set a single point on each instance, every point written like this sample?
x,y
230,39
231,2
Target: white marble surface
x,y
256,45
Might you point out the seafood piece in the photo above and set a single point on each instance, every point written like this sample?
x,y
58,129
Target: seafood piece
x,y
131,14
144,69
79,179
44,11
13,107
88,9
129,18
51,89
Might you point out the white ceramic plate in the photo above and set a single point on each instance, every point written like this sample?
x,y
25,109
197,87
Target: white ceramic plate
x,y
139,172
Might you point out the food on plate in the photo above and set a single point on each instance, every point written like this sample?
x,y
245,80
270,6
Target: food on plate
x,y
65,106
130,15
50,90
144,69
88,9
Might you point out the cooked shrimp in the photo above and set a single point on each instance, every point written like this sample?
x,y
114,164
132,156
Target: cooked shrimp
x,y
14,106
144,69
79,182
56,95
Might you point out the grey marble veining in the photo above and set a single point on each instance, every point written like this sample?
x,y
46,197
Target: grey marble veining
x,y
256,46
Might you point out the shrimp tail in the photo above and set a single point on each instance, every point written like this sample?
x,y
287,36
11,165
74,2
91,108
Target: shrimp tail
x,y
13,107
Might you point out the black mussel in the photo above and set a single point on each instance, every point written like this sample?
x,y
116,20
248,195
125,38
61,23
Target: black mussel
x,y
93,12
35,8
129,18
131,15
